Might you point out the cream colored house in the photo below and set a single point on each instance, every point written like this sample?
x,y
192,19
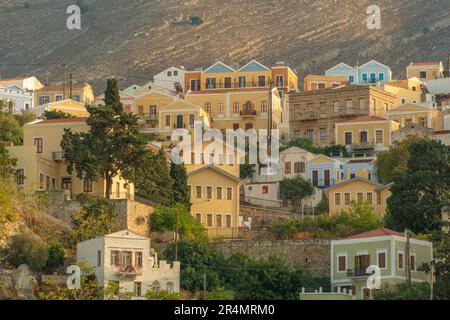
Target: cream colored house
x,y
341,196
127,258
41,161
425,116
317,82
425,70
72,107
406,90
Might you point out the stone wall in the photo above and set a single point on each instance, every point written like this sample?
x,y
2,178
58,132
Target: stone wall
x,y
313,256
134,216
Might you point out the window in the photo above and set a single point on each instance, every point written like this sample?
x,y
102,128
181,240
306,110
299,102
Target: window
x,y
138,259
362,104
265,189
66,183
423,75
220,108
87,185
195,84
369,198
279,80
348,105
209,193
228,221
20,177
44,100
175,73
323,134
76,98
47,182
336,106
235,126
167,121
39,143
242,81
209,220
198,192
41,181
58,97
235,107
347,199
363,137
412,262
348,138
373,78
169,73
422,122
378,198
309,134
408,122
137,289
342,263
99,258
264,106
261,81
379,136
382,259
297,134
337,199
299,167
287,168
208,107
219,193
219,220
400,260
114,260
229,193
364,77
381,77
360,196
210,83
351,79
198,217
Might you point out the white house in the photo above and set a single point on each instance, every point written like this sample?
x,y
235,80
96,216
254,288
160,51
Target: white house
x,y
127,258
172,79
16,99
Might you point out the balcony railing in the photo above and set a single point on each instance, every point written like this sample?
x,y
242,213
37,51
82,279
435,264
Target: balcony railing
x,y
129,270
310,116
363,146
248,113
361,272
58,156
322,183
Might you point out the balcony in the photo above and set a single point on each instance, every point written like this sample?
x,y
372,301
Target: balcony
x,y
363,146
356,273
150,116
128,270
310,116
58,156
236,85
248,113
322,183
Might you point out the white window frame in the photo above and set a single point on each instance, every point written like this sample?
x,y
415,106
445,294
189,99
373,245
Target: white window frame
x,y
351,132
375,136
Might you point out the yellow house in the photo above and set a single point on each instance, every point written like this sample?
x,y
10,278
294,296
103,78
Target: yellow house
x,y
316,82
242,98
215,199
341,196
425,70
79,92
41,161
406,90
367,134
425,116
72,107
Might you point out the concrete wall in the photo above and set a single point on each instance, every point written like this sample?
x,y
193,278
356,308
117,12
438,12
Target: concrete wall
x,y
313,256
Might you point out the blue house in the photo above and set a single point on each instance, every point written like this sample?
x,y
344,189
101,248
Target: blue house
x,y
323,171
371,72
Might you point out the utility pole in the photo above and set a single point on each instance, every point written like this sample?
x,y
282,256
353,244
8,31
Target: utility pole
x,y
432,280
204,285
70,85
176,237
64,80
408,258
270,119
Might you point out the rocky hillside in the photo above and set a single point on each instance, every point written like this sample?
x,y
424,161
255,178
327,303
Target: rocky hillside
x,y
133,39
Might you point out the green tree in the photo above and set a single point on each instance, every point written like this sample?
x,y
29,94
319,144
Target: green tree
x,y
220,294
180,190
420,195
246,170
165,219
26,248
56,255
53,114
332,149
25,116
7,164
113,145
403,291
296,189
153,180
96,218
157,294
113,291
10,129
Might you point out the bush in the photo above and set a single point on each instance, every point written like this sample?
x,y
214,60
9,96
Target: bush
x,y
403,291
155,294
220,294
25,248
55,256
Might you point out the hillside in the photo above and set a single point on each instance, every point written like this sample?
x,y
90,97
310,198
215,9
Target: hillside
x,y
134,39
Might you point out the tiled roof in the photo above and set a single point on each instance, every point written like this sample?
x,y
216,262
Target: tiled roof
x,y
14,78
425,63
376,233
61,120
60,87
367,119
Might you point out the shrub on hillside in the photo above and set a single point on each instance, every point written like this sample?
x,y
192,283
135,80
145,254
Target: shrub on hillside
x,y
26,248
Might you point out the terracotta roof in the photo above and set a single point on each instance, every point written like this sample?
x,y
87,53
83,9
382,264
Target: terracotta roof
x,y
60,87
14,78
231,90
425,63
61,120
367,119
376,233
